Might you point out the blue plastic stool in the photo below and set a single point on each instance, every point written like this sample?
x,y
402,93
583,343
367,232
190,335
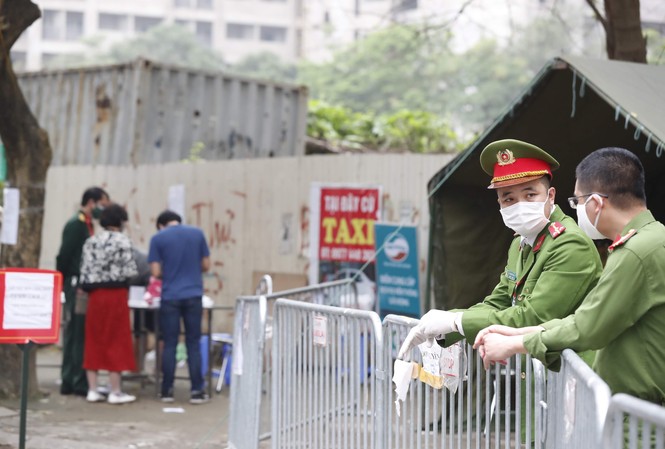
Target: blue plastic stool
x,y
224,374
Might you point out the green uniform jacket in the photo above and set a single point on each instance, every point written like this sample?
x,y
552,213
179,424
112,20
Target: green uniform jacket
x,y
624,316
552,281
74,235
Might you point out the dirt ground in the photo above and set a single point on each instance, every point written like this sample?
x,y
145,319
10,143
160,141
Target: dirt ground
x,y
69,422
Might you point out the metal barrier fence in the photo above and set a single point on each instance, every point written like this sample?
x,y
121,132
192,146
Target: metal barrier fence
x,y
490,408
332,389
328,377
577,402
248,343
634,423
249,419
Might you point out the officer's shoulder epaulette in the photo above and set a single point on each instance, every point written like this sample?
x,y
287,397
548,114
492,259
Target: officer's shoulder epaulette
x,y
556,229
81,216
621,240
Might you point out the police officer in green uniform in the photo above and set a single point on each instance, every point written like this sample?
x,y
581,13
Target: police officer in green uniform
x,y
68,262
623,317
551,266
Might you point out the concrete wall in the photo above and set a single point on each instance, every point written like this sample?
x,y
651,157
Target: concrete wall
x,y
245,207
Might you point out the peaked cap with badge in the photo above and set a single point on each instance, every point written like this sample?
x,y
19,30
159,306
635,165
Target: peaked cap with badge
x,y
510,162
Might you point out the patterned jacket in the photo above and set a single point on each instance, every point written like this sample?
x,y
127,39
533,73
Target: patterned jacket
x,y
107,261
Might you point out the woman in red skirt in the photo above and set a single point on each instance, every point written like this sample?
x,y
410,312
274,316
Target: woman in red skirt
x,y
106,267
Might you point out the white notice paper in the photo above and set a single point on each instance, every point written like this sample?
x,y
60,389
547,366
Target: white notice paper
x,y
177,200
28,301
9,234
136,293
320,331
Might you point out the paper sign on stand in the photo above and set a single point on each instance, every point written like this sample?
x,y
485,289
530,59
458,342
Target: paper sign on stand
x,y
11,207
30,306
29,313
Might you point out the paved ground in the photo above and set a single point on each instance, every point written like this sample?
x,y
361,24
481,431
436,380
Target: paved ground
x,y
68,422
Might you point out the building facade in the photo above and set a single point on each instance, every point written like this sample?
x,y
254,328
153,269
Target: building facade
x,y
235,28
294,29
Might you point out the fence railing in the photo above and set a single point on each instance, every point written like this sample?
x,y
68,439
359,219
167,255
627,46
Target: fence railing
x,y
249,418
495,408
577,401
326,375
332,389
634,424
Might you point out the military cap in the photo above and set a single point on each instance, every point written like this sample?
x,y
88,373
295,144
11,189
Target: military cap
x,y
510,162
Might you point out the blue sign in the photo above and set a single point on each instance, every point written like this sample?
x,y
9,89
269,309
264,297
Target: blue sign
x,y
397,282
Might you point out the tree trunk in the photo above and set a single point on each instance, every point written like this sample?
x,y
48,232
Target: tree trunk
x,y
28,155
623,31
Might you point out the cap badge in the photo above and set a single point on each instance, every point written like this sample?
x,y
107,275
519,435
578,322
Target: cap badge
x,y
505,157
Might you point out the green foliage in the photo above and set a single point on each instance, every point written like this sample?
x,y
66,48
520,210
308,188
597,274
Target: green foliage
x,y
389,70
195,153
415,68
167,44
655,47
416,131
266,65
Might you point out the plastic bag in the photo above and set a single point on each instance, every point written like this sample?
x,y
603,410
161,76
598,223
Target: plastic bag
x,y
442,367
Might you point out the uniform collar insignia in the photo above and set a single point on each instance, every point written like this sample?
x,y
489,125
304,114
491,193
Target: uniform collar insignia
x,y
539,243
556,229
621,240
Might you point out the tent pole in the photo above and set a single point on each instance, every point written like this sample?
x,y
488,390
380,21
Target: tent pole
x,y
428,283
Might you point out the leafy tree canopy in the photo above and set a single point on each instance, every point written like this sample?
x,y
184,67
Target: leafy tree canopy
x,y
168,44
267,66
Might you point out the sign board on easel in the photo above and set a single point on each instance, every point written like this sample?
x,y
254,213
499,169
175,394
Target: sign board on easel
x,y
29,305
29,313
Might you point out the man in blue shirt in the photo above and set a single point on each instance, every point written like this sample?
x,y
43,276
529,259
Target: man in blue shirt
x,y
179,255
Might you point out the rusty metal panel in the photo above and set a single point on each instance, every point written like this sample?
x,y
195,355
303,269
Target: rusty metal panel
x,y
145,113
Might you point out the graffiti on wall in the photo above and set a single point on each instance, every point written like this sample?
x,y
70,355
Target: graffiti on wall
x,y
217,225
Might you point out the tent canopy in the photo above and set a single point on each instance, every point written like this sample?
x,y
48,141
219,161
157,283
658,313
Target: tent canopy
x,y
571,108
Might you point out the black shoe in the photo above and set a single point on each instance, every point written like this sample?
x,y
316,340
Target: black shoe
x,y
67,392
199,397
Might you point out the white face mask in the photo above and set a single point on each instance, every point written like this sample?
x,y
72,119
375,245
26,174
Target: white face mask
x,y
584,222
526,218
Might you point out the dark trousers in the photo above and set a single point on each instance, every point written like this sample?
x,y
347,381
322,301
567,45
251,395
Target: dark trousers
x,y
170,312
74,380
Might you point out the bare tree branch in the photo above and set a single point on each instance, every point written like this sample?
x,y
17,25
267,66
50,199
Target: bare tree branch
x,y
597,14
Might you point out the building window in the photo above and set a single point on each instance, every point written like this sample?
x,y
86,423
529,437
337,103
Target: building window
x,y
143,24
204,32
50,28
113,22
182,23
299,46
239,31
181,3
406,5
74,29
273,34
204,4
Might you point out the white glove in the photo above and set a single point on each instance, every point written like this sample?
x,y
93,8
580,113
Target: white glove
x,y
434,324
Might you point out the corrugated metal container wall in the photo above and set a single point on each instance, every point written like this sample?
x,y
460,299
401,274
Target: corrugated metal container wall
x,y
144,112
